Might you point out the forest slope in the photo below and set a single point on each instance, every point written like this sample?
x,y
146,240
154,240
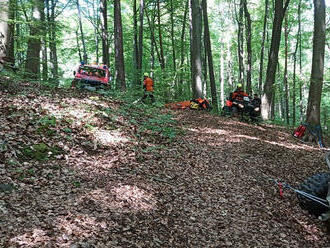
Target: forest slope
x,y
79,169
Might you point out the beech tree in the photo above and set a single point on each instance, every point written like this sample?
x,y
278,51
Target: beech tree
x,y
195,50
119,51
268,95
4,15
316,80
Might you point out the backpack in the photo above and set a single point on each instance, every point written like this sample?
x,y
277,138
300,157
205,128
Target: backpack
x,y
299,131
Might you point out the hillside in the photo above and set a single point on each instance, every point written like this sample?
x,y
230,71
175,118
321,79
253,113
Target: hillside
x,y
81,169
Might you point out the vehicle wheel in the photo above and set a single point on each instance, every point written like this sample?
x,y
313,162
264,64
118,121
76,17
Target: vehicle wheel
x,y
327,159
316,185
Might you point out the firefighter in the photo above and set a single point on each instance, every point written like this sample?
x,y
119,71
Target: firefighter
x,y
238,94
148,86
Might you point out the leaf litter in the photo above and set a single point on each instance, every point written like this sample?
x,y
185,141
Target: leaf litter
x,y
119,179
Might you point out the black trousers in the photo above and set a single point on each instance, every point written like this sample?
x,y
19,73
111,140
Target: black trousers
x,y
148,94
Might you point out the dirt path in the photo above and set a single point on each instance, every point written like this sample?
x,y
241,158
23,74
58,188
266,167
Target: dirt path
x,y
112,188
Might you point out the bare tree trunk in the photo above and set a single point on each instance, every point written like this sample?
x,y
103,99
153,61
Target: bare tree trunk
x,y
261,67
173,36
285,79
82,33
268,96
249,48
316,81
240,42
135,44
222,81
78,46
32,64
153,39
182,45
119,50
209,56
44,46
52,42
4,15
104,32
140,43
196,64
294,71
162,60
10,53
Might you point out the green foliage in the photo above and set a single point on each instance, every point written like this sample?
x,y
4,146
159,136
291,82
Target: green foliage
x,y
40,152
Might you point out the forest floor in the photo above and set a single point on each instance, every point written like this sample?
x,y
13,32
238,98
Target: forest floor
x,y
80,169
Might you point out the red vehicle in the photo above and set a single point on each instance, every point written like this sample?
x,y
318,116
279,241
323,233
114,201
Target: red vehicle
x,y
92,75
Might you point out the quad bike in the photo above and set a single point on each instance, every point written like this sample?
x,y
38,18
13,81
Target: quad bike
x,y
316,193
245,109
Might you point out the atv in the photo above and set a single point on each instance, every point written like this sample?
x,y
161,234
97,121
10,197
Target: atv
x,y
316,194
91,76
246,109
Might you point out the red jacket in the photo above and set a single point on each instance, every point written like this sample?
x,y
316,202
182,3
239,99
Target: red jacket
x,y
238,95
148,84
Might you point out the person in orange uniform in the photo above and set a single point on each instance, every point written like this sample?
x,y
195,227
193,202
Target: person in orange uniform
x,y
148,86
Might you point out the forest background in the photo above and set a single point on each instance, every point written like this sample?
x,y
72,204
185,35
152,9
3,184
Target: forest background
x,y
48,39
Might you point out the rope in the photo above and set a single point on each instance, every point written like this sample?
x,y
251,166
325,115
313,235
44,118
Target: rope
x,y
282,185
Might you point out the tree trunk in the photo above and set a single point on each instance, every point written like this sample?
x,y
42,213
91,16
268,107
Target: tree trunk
x,y
285,76
209,56
316,81
222,81
119,50
152,33
78,46
162,60
32,64
249,48
104,32
183,46
267,98
140,43
135,44
44,46
294,73
52,42
261,67
85,58
173,36
240,43
195,43
10,53
4,15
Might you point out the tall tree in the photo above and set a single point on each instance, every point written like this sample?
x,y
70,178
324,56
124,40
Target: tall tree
x,y
32,64
261,67
104,32
195,47
162,60
285,76
240,42
140,44
316,81
249,47
268,95
10,57
82,33
4,15
209,55
119,50
52,27
172,35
